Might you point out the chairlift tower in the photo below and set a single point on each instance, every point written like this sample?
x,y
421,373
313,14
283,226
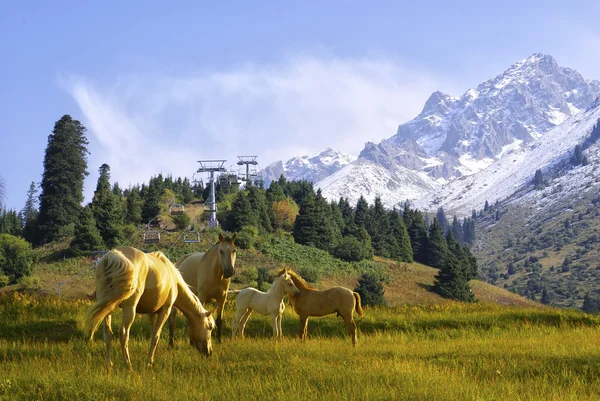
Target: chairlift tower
x,y
247,160
212,166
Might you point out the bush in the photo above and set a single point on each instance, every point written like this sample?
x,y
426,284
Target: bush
x,y
182,221
3,280
351,249
247,276
30,283
245,238
16,256
370,288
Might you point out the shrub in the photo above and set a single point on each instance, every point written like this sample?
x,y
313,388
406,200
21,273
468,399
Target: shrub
x,y
351,249
3,280
16,256
30,283
182,221
370,288
245,238
247,276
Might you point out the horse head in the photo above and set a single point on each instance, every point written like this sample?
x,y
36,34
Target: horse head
x,y
200,333
288,284
227,254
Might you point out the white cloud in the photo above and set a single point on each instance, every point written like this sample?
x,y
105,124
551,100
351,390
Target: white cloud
x,y
144,124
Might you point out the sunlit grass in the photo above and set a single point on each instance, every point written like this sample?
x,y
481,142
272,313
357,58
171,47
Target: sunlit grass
x,y
448,352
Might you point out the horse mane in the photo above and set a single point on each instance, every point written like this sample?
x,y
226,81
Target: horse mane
x,y
298,281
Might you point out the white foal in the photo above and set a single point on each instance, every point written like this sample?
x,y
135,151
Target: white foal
x,y
269,303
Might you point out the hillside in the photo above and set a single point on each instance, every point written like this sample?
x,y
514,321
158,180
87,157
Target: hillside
x,y
407,283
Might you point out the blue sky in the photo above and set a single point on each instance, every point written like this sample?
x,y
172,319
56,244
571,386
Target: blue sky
x,y
160,85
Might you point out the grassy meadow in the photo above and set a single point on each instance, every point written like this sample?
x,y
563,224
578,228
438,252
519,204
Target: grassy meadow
x,y
437,352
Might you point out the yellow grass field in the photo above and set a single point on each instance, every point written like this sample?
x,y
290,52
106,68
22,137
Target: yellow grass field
x,y
437,352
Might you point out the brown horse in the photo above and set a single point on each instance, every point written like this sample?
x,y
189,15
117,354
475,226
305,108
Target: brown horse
x,y
312,302
148,284
208,274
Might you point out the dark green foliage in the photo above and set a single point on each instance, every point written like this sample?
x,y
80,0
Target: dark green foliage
x,y
275,192
30,214
65,165
134,203
591,303
378,228
313,226
241,213
182,221
538,180
486,207
2,193
259,208
457,230
468,231
452,281
400,247
86,238
11,223
361,212
442,220
107,209
187,195
577,158
437,249
417,232
371,291
246,237
16,256
351,249
150,197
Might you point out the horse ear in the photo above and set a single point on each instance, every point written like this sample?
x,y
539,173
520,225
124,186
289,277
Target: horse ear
x,y
233,237
220,237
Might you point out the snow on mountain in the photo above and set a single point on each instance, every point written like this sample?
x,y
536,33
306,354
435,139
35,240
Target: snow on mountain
x,y
456,137
308,168
515,170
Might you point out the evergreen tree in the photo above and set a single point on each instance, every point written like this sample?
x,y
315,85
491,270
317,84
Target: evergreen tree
x,y
361,213
337,217
241,213
187,195
371,291
133,213
30,214
469,231
457,230
260,210
2,192
437,249
452,280
86,238
306,227
486,207
330,234
151,207
577,158
378,228
106,209
417,232
442,220
275,192
591,303
538,180
400,249
65,164
347,211
11,223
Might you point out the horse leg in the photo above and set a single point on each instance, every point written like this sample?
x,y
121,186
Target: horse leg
x,y
244,320
159,319
128,317
279,331
172,324
108,336
274,324
219,320
303,325
351,326
152,320
236,322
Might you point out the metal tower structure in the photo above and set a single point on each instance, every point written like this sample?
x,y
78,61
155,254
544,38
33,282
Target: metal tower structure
x,y
247,160
212,166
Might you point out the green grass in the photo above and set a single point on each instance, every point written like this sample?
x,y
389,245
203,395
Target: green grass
x,y
439,352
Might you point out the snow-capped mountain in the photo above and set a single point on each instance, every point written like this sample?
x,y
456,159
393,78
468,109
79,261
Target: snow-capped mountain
x,y
313,168
456,137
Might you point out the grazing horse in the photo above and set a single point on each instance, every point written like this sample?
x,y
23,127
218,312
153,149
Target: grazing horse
x,y
208,274
312,302
147,284
269,303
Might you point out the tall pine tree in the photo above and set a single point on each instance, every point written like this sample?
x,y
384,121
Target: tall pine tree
x,y
30,214
452,281
65,165
437,249
87,237
400,249
106,209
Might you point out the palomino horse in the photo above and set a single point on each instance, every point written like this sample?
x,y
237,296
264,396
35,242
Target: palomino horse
x,y
312,302
269,303
208,274
144,283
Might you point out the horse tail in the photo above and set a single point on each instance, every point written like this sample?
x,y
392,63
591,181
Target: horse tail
x,y
359,309
115,282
